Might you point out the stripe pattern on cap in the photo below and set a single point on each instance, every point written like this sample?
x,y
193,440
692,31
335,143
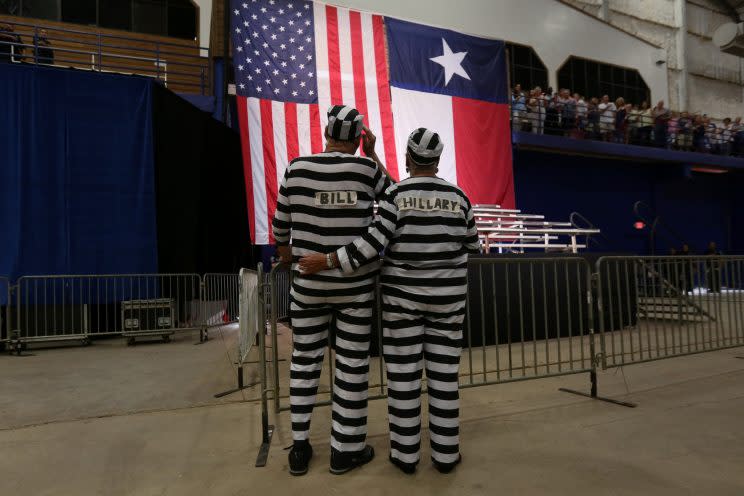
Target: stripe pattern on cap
x,y
344,122
424,146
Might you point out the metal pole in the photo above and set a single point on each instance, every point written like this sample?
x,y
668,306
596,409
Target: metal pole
x,y
273,283
157,61
36,45
225,57
266,429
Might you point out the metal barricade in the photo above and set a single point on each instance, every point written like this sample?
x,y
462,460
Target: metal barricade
x,y
250,315
526,318
650,308
78,307
281,284
251,320
5,305
277,305
220,301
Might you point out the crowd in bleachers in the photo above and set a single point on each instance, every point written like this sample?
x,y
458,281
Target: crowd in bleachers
x,y
572,115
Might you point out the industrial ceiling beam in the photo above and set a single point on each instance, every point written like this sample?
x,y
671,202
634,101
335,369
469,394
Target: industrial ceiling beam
x,y
729,9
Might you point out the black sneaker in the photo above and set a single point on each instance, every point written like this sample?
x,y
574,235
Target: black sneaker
x,y
446,468
299,458
342,462
406,468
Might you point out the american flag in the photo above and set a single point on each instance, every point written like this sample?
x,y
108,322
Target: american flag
x,y
293,59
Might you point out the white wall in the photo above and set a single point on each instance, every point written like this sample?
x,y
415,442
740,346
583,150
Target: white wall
x,y
714,80
205,22
552,28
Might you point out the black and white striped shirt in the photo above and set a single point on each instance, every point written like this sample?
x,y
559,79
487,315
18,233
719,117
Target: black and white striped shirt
x,y
326,201
426,227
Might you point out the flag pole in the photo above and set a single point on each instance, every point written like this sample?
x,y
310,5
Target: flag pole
x,y
225,56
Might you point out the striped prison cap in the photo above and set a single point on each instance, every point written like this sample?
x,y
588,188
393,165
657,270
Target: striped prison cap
x,y
424,146
344,123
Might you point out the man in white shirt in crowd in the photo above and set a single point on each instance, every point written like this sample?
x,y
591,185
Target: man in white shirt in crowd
x,y
607,117
582,108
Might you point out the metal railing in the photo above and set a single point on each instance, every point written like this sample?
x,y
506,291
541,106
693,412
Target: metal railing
x,y
5,303
510,230
650,308
251,317
579,221
179,66
590,122
530,318
78,307
526,318
278,282
220,301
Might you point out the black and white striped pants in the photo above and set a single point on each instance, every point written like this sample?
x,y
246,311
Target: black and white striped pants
x,y
419,335
310,327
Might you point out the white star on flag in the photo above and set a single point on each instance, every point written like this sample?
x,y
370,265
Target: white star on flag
x,y
451,62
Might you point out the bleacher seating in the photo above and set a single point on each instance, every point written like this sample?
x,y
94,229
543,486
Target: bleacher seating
x,y
511,231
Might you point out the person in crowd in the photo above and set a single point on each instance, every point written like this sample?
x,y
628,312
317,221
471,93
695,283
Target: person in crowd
x,y
568,112
532,120
687,269
725,137
710,134
543,101
582,109
660,115
646,125
634,124
621,116
607,111
737,138
552,117
672,129
326,201
572,115
11,45
518,105
44,52
698,134
593,116
426,228
713,268
684,131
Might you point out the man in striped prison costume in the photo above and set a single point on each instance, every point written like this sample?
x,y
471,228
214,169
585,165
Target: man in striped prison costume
x,y
326,201
426,227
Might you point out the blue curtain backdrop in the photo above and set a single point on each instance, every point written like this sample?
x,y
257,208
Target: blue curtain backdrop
x,y
699,207
77,190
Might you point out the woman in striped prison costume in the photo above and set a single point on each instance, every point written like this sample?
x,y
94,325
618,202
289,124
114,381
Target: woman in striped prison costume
x,y
324,202
426,227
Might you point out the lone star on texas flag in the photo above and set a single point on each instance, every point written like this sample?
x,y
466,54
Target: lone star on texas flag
x,y
452,63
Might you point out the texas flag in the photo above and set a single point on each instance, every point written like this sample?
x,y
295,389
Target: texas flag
x,y
456,85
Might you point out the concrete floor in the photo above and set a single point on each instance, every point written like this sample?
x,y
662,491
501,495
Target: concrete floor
x,y
117,420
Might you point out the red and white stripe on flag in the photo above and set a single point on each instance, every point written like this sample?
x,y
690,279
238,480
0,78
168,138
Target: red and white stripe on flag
x,y
351,69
